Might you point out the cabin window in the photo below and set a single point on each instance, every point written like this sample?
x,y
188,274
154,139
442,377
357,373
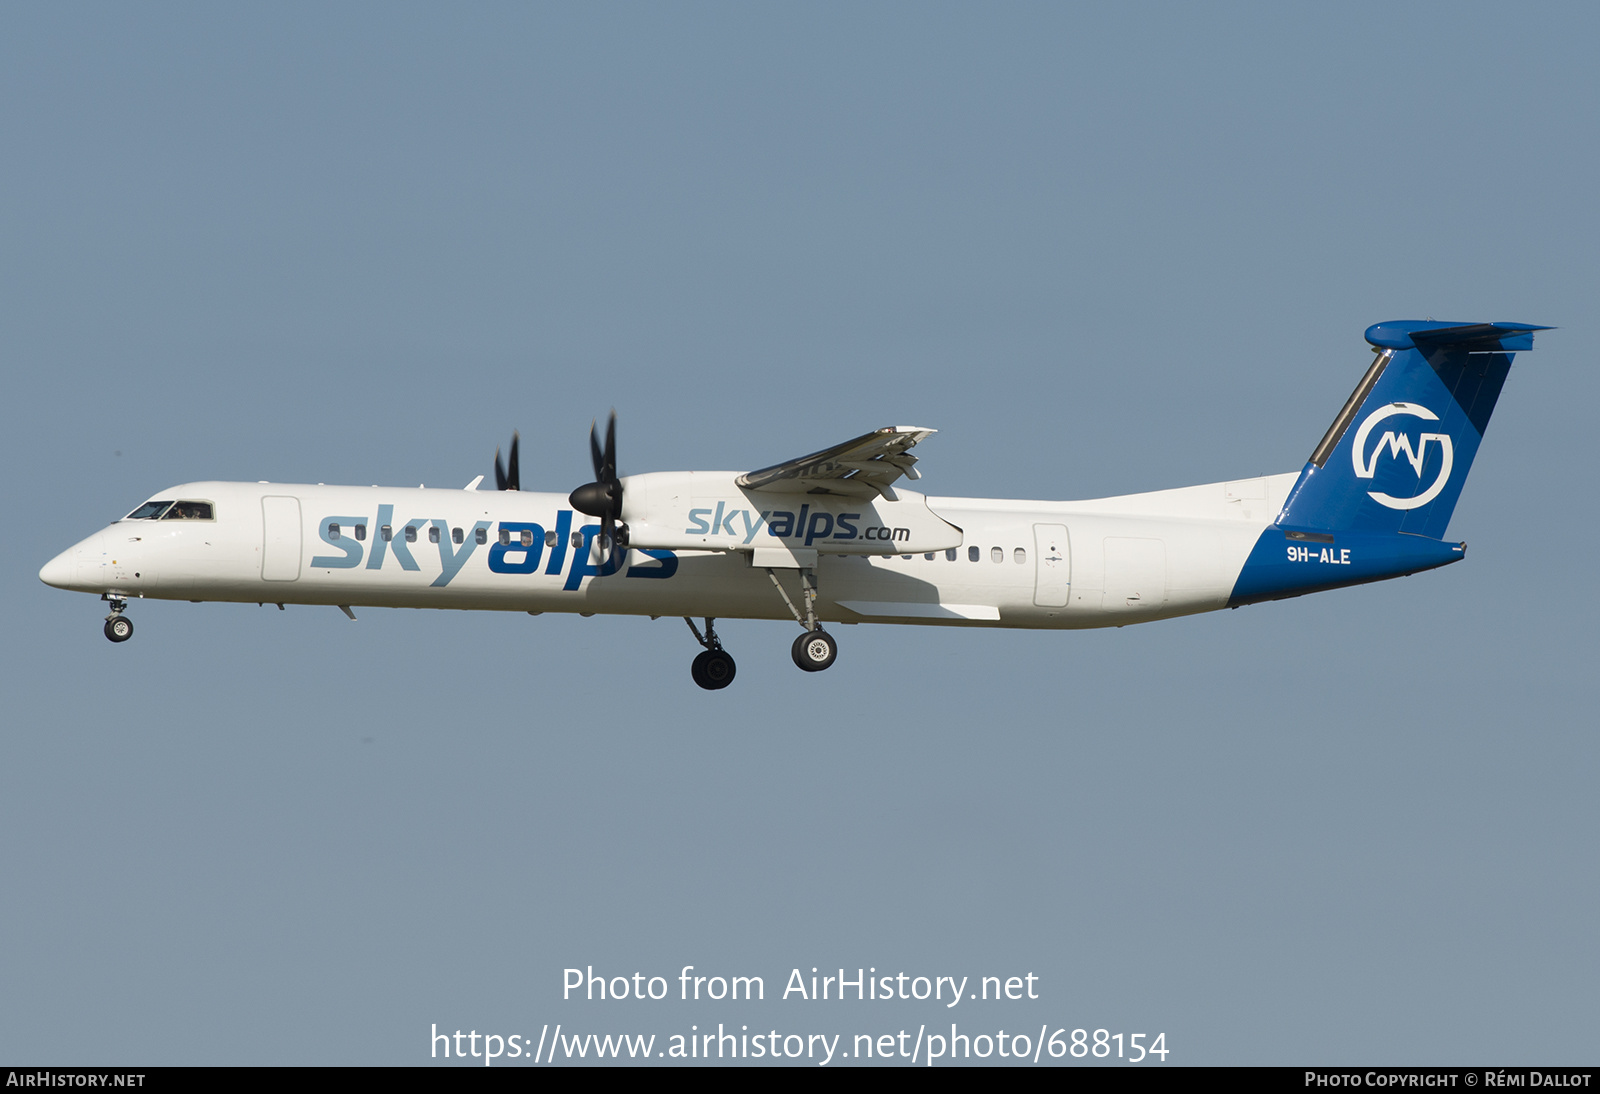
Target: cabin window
x,y
549,539
386,533
481,535
455,534
188,510
433,534
361,531
150,510
577,539
950,555
972,554
1020,555
333,531
929,557
505,538
411,533
527,537
906,557
997,554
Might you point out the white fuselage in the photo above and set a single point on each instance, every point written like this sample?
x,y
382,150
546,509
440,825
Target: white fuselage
x,y
999,563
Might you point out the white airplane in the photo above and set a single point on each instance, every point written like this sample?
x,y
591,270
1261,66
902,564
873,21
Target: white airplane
x,y
831,537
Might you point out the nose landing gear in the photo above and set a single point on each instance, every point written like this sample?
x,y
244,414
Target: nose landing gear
x,y
119,628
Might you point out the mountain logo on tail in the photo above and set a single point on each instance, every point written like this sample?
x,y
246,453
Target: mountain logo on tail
x,y
1396,444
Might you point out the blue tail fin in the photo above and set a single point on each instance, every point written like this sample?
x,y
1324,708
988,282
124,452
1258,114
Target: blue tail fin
x,y
1376,496
1397,455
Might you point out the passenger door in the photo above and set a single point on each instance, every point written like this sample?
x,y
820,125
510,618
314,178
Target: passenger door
x,y
1053,572
280,539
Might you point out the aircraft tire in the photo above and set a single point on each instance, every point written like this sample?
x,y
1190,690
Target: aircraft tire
x,y
815,650
119,628
713,670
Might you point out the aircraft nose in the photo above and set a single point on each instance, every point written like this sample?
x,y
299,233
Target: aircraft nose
x,y
67,570
58,572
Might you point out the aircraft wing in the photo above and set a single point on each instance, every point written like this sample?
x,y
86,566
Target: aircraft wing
x,y
865,466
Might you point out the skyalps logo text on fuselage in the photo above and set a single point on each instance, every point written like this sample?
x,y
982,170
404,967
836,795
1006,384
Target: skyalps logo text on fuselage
x,y
516,548
803,528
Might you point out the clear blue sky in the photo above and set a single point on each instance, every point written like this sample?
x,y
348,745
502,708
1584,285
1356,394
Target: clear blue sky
x,y
1100,248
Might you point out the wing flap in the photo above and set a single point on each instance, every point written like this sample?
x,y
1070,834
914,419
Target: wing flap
x,y
860,467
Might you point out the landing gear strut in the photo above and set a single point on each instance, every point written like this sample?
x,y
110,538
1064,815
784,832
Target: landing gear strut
x,y
119,628
816,649
713,668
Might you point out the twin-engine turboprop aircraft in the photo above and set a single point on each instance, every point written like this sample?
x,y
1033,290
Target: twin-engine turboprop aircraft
x,y
831,537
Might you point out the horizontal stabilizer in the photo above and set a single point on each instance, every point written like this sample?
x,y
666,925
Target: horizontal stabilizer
x,y
1425,334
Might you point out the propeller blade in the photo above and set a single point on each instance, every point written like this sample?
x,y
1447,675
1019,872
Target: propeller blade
x,y
594,453
611,449
508,479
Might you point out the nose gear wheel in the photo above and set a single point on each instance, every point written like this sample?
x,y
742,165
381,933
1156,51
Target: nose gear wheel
x,y
119,628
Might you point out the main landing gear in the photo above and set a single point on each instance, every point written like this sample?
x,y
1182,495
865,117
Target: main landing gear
x,y
813,651
816,649
713,668
119,628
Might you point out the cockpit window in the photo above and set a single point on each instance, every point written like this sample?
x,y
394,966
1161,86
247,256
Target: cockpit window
x,y
150,510
189,510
